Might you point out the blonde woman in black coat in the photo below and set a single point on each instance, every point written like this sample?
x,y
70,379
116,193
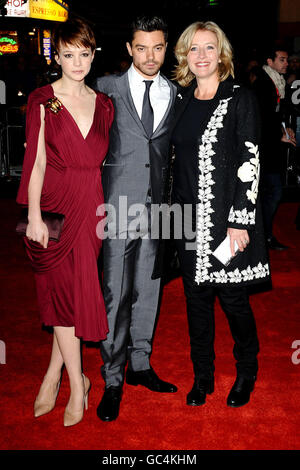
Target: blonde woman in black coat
x,y
216,173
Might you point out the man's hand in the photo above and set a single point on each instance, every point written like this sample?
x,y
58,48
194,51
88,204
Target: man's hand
x,y
290,139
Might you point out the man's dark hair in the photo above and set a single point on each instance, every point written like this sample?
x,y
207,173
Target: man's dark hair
x,y
148,24
271,52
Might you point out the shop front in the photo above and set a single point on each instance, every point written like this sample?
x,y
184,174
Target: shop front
x,y
25,64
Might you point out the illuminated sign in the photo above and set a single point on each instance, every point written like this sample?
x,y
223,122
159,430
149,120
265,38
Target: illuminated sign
x,y
8,42
8,48
47,45
17,8
47,10
53,10
62,4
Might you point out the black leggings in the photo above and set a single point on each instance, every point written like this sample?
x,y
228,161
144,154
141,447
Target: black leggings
x,y
200,311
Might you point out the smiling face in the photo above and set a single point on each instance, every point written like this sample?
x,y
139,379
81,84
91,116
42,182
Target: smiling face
x,y
75,61
148,52
203,57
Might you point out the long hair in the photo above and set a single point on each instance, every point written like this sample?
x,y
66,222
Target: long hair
x,y
182,73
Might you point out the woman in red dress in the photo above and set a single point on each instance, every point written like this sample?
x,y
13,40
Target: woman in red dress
x,y
67,132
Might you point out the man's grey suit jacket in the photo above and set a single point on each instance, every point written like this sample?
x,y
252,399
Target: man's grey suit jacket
x,y
134,161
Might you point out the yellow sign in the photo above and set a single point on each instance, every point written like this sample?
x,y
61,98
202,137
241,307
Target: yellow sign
x,y
47,10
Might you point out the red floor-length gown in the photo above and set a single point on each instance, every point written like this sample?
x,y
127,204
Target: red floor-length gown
x,y
66,271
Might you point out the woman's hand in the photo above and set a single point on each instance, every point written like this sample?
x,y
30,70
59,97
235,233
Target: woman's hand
x,y
37,231
239,236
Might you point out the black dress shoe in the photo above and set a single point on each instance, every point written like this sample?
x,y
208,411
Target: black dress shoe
x,y
274,244
197,395
149,379
108,409
240,393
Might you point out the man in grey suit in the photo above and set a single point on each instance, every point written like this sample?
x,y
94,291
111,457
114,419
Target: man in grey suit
x,y
135,169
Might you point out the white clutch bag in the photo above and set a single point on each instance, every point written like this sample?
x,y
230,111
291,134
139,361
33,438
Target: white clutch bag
x,y
223,252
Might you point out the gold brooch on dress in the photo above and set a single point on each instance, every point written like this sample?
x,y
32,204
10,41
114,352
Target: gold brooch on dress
x,y
54,105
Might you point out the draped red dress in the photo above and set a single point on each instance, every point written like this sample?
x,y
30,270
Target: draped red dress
x,y
66,272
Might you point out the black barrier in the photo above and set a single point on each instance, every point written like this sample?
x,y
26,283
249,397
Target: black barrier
x,y
12,138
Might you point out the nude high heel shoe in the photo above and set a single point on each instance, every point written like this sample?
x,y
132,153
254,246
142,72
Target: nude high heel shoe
x,y
46,402
74,417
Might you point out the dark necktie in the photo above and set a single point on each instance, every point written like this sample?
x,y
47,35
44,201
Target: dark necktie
x,y
147,111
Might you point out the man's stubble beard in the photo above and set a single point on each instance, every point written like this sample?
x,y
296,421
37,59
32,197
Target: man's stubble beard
x,y
146,71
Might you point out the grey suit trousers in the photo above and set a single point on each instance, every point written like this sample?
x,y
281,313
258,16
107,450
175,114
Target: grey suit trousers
x,y
131,299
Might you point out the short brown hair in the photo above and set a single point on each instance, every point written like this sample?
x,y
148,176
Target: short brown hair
x,y
182,73
75,32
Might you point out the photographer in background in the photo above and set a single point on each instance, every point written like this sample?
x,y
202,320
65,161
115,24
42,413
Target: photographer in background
x,y
270,89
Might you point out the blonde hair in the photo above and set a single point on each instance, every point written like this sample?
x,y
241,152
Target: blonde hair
x,y
182,73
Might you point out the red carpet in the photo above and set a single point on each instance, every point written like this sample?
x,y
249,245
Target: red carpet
x,y
148,420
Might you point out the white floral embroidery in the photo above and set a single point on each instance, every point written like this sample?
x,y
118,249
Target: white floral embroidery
x,y
249,171
204,206
246,172
205,195
242,217
248,274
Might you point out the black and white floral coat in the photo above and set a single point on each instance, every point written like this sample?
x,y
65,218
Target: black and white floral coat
x,y
228,162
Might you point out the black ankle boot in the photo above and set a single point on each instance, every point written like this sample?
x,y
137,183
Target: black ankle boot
x,y
201,387
240,393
